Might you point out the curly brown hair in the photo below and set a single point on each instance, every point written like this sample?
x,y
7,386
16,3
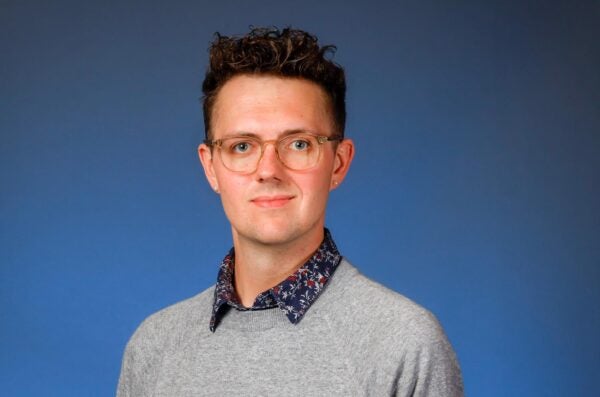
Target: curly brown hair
x,y
288,53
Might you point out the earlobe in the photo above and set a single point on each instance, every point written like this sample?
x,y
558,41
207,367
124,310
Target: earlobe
x,y
343,158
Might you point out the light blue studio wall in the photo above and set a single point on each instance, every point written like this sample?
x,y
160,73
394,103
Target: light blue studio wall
x,y
474,189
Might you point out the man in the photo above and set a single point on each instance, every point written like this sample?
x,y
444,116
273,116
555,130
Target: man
x,y
288,315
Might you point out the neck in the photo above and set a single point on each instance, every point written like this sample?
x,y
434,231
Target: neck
x,y
259,267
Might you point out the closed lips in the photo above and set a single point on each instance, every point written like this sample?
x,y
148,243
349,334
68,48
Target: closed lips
x,y
272,201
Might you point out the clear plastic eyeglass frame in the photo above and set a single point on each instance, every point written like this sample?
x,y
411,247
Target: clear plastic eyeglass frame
x,y
297,151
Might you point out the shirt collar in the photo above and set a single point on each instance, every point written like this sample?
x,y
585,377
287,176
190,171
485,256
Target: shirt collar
x,y
293,296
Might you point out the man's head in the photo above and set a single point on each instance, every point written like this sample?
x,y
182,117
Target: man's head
x,y
274,150
286,53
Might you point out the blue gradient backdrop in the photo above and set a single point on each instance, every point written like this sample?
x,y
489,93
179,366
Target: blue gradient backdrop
x,y
474,191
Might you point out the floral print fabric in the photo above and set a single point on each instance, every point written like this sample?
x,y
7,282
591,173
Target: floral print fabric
x,y
294,295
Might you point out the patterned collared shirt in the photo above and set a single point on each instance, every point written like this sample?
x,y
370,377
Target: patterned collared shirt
x,y
294,295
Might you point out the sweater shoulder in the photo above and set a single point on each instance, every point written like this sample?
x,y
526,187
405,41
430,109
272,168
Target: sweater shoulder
x,y
157,334
373,324
369,300
173,321
366,311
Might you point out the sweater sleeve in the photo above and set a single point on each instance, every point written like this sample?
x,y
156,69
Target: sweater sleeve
x,y
126,376
429,367
139,363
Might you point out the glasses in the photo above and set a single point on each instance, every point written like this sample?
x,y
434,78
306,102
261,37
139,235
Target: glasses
x,y
298,151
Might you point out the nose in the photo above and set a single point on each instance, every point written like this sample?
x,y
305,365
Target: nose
x,y
269,166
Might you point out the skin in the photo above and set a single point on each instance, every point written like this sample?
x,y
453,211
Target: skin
x,y
277,215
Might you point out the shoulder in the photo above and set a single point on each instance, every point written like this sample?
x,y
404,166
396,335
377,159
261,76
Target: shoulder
x,y
388,330
169,325
158,334
370,302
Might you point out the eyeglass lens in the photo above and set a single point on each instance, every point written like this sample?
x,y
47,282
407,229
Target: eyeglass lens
x,y
298,152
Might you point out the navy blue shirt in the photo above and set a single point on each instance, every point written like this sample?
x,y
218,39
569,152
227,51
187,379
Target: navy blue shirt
x,y
293,296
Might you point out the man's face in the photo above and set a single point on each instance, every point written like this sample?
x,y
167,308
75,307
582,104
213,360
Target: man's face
x,y
274,205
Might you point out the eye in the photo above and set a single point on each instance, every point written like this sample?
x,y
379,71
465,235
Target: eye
x,y
240,147
300,144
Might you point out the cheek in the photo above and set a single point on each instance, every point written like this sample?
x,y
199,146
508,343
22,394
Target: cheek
x,y
231,191
315,190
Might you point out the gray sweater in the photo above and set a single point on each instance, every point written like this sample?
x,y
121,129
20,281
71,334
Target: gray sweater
x,y
358,339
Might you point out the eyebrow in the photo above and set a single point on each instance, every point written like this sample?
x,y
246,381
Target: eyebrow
x,y
281,135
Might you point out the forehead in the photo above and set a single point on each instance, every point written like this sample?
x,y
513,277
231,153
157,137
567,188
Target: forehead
x,y
268,105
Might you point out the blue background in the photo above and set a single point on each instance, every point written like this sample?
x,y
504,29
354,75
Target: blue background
x,y
474,191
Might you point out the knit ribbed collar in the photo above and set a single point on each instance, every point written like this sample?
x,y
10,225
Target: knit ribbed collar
x,y
293,296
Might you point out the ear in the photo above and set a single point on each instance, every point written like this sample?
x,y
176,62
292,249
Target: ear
x,y
206,159
343,158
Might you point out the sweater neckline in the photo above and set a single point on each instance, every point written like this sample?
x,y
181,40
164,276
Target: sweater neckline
x,y
265,319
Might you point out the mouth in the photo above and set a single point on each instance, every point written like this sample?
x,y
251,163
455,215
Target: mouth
x,y
272,201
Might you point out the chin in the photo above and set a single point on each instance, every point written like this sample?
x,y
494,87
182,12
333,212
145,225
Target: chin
x,y
275,237
270,234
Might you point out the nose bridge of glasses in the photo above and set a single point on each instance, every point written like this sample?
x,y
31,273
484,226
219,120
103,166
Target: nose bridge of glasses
x,y
263,151
272,142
